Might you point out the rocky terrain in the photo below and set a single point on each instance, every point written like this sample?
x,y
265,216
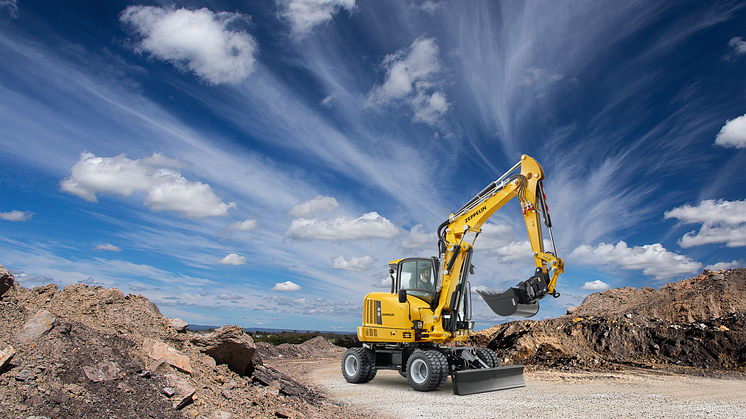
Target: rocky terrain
x,y
91,352
692,326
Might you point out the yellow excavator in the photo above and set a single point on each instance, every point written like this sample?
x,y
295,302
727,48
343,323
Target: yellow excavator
x,y
420,328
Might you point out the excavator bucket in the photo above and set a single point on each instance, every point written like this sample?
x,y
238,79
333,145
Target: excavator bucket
x,y
487,379
506,303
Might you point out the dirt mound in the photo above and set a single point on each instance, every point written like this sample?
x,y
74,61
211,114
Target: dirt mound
x,y
698,323
707,296
94,352
317,348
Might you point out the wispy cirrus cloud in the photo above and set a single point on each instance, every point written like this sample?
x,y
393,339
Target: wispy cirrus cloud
x,y
199,41
11,6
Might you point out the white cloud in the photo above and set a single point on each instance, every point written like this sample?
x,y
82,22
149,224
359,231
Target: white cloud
x,y
16,215
494,236
596,285
738,45
11,5
305,14
429,6
327,101
513,252
361,264
411,78
310,207
286,286
652,259
109,247
166,188
726,265
229,297
245,225
540,76
733,133
232,259
722,222
369,226
418,239
199,41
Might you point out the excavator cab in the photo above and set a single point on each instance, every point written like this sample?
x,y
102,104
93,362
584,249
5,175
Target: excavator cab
x,y
418,278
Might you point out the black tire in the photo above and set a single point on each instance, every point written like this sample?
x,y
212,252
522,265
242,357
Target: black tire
x,y
358,365
488,356
426,370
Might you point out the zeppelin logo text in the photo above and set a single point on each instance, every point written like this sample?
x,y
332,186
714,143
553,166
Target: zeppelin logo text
x,y
479,211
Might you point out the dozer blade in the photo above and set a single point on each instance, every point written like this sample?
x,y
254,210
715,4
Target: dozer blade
x,y
488,379
506,303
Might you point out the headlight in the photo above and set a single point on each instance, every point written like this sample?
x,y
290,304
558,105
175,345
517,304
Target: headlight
x,y
417,324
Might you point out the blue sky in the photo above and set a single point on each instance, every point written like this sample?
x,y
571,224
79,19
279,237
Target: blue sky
x,y
259,163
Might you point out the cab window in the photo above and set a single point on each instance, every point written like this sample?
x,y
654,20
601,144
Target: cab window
x,y
418,278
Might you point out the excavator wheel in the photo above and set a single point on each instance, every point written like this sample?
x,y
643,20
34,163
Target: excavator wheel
x,y
427,370
489,357
358,365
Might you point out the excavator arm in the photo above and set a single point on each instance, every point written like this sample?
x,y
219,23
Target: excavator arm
x,y
455,249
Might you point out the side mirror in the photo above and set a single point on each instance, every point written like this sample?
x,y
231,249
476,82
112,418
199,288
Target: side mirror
x,y
471,269
402,296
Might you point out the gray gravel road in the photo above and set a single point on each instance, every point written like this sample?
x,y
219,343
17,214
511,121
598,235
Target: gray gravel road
x,y
546,395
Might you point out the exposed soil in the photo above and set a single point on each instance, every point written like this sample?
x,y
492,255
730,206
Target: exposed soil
x,y
84,352
695,326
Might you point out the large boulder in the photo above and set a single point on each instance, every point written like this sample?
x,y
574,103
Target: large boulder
x,y
228,345
6,280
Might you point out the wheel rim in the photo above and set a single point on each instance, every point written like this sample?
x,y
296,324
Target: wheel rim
x,y
351,365
418,371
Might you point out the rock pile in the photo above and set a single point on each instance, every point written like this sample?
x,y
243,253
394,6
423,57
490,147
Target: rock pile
x,y
96,353
695,324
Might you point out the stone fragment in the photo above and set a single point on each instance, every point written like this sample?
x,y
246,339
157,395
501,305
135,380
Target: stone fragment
x,y
162,367
289,413
228,345
219,414
25,375
145,373
226,393
36,326
183,392
6,280
135,365
179,325
5,356
168,391
159,350
104,371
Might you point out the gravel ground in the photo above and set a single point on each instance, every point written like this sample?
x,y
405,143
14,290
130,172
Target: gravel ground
x,y
548,394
